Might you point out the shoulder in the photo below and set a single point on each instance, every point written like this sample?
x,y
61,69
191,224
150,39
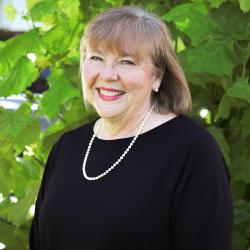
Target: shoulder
x,y
203,151
202,155
199,134
189,129
194,136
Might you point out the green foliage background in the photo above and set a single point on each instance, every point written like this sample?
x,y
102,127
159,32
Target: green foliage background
x,y
212,39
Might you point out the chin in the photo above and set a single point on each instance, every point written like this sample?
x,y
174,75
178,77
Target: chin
x,y
108,113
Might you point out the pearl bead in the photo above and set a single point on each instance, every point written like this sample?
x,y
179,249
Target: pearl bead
x,y
120,158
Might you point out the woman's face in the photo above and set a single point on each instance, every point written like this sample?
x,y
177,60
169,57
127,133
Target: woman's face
x,y
118,85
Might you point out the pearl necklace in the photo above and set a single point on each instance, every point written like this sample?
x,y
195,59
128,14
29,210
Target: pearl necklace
x,y
121,157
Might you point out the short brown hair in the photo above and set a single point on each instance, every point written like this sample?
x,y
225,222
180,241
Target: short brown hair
x,y
139,30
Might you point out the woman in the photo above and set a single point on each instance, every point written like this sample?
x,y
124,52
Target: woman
x,y
143,176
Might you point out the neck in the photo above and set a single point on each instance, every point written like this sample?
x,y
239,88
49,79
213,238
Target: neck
x,y
121,127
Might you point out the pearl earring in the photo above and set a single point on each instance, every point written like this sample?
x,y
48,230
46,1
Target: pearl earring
x,y
156,90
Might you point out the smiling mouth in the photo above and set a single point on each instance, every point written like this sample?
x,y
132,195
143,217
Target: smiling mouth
x,y
110,93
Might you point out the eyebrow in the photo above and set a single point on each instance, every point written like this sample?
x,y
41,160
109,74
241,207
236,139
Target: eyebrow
x,y
122,53
126,54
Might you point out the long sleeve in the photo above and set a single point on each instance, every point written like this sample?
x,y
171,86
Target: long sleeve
x,y
171,192
34,238
202,214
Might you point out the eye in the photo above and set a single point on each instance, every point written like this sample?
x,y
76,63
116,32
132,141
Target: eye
x,y
127,62
95,58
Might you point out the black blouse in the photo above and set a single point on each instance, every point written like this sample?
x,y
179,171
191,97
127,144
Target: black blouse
x,y
170,192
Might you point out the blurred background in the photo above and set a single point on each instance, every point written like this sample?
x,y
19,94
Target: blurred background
x,y
41,98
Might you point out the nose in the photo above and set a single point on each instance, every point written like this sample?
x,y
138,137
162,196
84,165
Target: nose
x,y
108,73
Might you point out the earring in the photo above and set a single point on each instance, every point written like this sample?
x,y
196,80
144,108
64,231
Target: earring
x,y
156,90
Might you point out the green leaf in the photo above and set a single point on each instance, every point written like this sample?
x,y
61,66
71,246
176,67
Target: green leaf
x,y
26,170
180,46
245,123
193,78
31,3
10,11
219,136
2,44
244,173
18,212
71,9
242,211
6,183
224,107
19,78
216,3
192,19
238,187
25,137
43,11
57,39
60,92
16,48
240,240
76,112
240,89
115,3
245,5
213,57
14,238
13,122
49,137
225,17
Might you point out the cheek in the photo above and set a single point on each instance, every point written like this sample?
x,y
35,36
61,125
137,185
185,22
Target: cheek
x,y
89,74
139,80
88,80
149,79
132,79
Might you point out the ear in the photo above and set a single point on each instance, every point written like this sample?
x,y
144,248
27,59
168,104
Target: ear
x,y
157,82
159,73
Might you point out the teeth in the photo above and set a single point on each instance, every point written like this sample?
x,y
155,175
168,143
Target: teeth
x,y
110,93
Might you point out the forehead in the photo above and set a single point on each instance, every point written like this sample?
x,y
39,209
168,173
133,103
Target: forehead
x,y
140,53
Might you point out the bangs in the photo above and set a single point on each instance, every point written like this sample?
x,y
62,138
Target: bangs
x,y
125,36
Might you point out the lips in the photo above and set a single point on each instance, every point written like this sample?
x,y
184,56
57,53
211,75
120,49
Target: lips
x,y
110,89
109,94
